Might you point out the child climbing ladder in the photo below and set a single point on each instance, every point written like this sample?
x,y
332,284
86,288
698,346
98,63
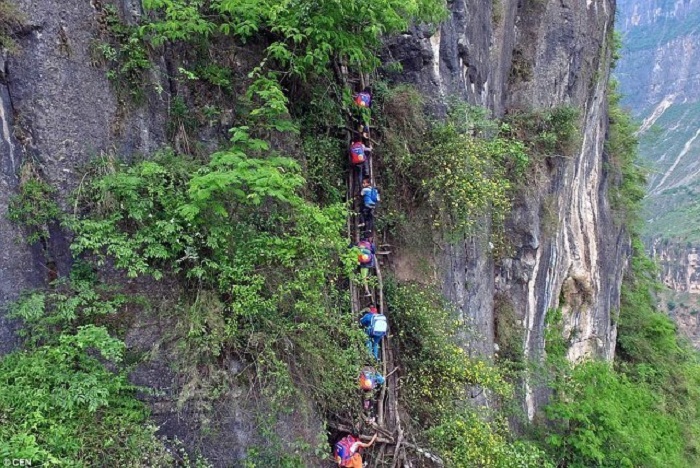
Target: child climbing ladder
x,y
364,197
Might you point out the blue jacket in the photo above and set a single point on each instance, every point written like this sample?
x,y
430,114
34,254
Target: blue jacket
x,y
366,320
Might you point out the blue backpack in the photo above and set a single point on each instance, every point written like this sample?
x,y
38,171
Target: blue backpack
x,y
374,195
370,197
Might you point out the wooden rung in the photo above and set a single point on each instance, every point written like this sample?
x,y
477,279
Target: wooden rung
x,y
382,439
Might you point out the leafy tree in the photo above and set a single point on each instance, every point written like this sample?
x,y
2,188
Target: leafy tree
x,y
236,229
307,35
60,405
468,439
437,373
304,37
601,418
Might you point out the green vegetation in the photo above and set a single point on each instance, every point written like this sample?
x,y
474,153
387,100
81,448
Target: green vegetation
x,y
125,53
464,178
547,133
302,39
469,439
34,207
264,270
10,21
439,377
60,405
621,148
70,304
438,372
65,398
603,418
236,228
305,37
641,411
251,239
509,333
456,172
497,11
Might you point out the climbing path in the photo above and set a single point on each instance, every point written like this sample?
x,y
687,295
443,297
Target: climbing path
x,y
391,441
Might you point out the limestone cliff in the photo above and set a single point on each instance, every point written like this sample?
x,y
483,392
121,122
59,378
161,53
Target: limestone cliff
x,y
59,109
679,264
512,56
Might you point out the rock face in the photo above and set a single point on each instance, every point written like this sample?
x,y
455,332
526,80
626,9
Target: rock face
x,y
680,273
509,56
680,265
59,109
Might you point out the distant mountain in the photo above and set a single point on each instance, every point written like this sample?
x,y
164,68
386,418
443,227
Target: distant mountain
x,y
659,74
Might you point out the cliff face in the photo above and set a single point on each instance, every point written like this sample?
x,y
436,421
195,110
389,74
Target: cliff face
x,y
680,265
511,56
59,109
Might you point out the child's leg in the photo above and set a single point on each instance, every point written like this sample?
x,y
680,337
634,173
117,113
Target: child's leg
x,y
363,217
359,175
375,346
355,461
369,218
370,345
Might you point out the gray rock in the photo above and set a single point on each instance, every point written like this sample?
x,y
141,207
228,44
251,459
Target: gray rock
x,y
538,55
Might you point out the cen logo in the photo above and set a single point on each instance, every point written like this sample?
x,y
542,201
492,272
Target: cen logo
x,y
17,462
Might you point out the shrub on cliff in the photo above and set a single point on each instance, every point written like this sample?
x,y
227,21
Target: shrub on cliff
x,y
246,245
60,405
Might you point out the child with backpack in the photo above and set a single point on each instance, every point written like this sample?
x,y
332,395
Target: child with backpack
x,y
363,99
376,326
366,259
363,106
368,381
370,198
347,451
359,158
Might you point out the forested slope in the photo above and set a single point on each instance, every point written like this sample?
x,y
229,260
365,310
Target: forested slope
x,y
178,283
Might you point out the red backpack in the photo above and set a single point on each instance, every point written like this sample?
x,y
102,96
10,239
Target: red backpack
x,y
357,152
366,380
365,255
343,450
363,99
